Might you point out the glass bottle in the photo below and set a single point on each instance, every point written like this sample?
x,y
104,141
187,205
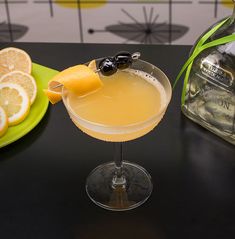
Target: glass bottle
x,y
209,98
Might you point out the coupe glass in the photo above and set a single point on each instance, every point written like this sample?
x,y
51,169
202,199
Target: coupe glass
x,y
120,185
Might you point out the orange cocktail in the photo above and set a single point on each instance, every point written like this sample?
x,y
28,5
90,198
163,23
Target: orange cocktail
x,y
115,99
126,104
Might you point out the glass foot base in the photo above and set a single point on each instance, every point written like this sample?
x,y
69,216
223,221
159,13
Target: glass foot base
x,y
133,193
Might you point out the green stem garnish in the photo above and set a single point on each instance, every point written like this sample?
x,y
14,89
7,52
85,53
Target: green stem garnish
x,y
201,46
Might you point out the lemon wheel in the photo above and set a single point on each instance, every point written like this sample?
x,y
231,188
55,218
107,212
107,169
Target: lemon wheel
x,y
3,122
12,59
23,79
15,101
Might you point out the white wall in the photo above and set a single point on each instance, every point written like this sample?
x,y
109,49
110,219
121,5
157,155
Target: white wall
x,y
109,21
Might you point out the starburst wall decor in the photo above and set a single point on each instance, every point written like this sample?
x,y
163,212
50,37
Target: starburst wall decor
x,y
149,31
109,21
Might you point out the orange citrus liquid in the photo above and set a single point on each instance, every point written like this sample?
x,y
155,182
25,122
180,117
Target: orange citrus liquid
x,y
126,98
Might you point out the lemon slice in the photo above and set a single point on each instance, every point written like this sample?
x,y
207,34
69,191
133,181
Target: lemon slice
x,y
92,65
15,101
23,79
79,79
12,59
3,122
53,96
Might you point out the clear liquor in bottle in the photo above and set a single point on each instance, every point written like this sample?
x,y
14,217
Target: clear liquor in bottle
x,y
210,93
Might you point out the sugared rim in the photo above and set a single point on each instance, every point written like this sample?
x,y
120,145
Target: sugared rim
x,y
128,127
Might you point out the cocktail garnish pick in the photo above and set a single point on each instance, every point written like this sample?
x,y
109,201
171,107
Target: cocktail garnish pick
x,y
135,56
109,65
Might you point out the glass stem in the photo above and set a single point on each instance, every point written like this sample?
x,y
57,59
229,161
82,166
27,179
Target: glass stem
x,y
119,179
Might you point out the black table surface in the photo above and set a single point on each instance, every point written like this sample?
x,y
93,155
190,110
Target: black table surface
x,y
42,175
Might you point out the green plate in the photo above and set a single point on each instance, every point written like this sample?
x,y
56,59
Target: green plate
x,y
42,75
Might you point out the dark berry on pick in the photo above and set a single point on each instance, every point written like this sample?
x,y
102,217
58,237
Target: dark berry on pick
x,y
108,66
123,59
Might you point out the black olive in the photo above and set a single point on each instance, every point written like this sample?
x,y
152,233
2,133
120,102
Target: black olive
x,y
123,59
108,66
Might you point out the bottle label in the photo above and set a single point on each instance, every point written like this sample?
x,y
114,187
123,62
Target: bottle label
x,y
213,103
216,73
